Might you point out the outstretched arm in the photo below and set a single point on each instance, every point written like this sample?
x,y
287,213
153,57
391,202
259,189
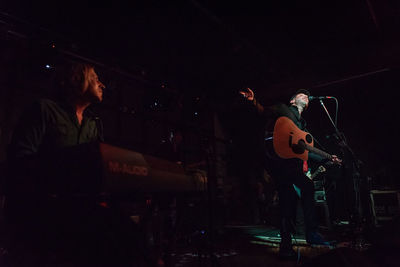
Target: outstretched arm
x,y
248,94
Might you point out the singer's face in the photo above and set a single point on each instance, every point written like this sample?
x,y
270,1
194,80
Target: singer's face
x,y
300,99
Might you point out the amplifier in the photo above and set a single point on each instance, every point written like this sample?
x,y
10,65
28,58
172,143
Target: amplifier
x,y
385,204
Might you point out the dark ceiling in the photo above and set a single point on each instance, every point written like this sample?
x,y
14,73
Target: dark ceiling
x,y
224,45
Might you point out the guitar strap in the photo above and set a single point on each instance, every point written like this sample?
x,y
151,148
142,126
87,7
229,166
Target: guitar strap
x,y
290,114
305,166
302,123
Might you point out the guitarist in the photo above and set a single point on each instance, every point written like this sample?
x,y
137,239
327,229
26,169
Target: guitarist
x,y
290,171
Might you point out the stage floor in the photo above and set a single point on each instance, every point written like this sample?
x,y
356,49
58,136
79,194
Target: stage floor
x,y
258,245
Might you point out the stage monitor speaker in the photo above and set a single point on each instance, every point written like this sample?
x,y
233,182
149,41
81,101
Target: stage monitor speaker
x,y
385,205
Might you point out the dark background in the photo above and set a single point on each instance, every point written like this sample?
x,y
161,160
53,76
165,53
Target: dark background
x,y
172,65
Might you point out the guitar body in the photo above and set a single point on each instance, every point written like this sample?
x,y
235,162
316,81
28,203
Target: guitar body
x,y
289,141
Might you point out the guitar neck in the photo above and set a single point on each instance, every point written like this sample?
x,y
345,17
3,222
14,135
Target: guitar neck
x,y
318,152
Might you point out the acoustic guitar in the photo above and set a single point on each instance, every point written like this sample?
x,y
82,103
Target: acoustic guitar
x,y
291,142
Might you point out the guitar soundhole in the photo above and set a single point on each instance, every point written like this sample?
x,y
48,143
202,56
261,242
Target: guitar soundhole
x,y
299,148
308,138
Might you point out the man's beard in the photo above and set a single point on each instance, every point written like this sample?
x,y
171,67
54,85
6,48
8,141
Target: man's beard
x,y
301,103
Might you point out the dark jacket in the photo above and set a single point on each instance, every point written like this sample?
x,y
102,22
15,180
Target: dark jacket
x,y
270,114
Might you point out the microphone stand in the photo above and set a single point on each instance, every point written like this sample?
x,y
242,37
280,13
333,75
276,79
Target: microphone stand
x,y
359,242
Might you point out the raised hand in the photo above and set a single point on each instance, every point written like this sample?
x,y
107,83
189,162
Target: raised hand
x,y
247,93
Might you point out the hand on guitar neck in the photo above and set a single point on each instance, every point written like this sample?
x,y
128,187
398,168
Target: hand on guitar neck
x,y
336,160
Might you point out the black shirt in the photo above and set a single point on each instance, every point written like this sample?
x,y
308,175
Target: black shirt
x,y
273,162
49,125
51,152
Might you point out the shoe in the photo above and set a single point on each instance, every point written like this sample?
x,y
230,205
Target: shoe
x,y
315,238
287,253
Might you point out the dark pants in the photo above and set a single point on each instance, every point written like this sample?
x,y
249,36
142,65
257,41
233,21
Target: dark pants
x,y
287,173
288,201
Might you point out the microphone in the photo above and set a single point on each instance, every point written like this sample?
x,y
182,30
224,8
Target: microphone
x,y
310,98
